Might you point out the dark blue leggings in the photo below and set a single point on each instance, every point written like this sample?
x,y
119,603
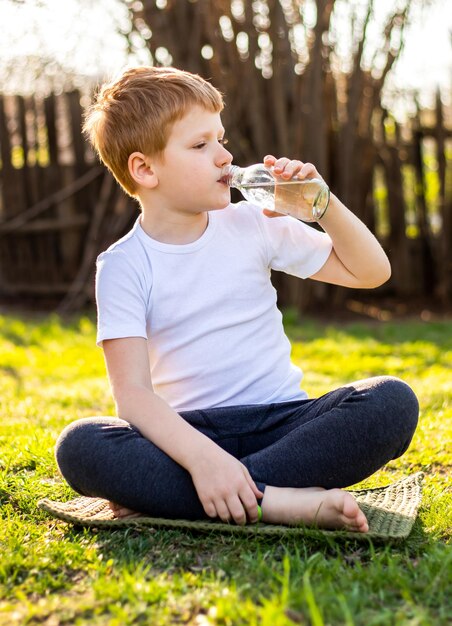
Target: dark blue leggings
x,y
333,441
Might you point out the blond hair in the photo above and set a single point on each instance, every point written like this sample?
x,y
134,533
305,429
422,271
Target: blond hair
x,y
136,112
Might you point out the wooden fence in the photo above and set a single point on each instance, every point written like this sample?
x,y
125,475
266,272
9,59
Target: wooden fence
x,y
59,208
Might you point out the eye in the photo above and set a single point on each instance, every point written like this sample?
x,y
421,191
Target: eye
x,y
199,146
223,141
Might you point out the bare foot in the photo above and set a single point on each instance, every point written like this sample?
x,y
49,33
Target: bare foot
x,y
313,506
120,511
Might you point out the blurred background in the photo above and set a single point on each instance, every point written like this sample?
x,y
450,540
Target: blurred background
x,y
359,87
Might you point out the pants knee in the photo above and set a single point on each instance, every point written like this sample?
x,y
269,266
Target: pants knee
x,y
75,449
399,409
67,450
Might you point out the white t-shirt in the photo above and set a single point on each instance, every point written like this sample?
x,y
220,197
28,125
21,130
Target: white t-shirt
x,y
208,308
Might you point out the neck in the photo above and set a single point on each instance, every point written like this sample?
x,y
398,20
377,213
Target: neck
x,y
173,229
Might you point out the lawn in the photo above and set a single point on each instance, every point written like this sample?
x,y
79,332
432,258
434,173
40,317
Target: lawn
x,y
52,573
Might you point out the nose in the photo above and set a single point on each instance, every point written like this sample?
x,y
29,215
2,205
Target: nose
x,y
224,157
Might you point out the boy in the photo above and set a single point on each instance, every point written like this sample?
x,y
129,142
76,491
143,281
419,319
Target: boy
x,y
211,418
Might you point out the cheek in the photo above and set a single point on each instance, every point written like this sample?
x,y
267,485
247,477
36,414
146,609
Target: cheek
x,y
197,179
186,176
196,172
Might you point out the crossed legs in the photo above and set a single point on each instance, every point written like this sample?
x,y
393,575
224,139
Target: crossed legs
x,y
298,453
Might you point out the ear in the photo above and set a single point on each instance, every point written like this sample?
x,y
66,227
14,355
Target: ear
x,y
141,170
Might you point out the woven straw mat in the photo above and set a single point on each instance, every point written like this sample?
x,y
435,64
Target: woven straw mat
x,y
391,512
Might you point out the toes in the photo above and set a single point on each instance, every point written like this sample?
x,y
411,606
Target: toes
x,y
353,517
121,511
356,527
126,513
350,507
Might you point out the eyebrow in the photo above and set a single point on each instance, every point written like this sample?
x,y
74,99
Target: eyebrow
x,y
206,134
221,131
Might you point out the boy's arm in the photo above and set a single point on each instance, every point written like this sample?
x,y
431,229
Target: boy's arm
x,y
224,485
357,259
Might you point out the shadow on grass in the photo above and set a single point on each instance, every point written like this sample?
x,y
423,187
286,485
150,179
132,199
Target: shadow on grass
x,y
237,557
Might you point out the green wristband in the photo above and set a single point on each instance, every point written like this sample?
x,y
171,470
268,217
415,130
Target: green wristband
x,y
259,513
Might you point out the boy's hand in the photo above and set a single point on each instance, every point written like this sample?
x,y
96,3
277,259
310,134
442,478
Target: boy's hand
x,y
225,488
287,169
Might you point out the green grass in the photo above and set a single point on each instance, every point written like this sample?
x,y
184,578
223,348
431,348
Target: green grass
x,y
51,573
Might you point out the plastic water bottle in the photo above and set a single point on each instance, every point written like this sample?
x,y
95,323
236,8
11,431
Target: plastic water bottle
x,y
306,199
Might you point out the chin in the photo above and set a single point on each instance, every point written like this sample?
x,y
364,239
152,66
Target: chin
x,y
220,207
220,203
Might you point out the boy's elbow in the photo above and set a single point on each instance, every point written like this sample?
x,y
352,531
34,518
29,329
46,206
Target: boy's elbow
x,y
381,277
385,272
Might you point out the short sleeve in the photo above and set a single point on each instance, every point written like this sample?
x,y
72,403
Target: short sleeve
x,y
121,297
294,247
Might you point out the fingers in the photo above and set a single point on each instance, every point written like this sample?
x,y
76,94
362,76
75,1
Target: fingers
x,y
249,499
237,511
231,495
308,170
223,511
244,506
282,167
210,509
249,503
269,160
269,213
227,510
287,168
239,507
252,484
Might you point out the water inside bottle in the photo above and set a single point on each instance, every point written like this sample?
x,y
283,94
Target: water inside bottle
x,y
295,197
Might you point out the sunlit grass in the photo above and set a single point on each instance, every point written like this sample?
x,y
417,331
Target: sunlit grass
x,y
51,573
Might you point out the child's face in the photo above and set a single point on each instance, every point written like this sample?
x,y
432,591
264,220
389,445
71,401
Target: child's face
x,y
190,168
